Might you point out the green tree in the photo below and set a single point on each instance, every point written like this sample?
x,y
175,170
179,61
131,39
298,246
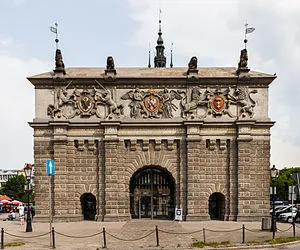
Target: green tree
x,y
14,188
285,180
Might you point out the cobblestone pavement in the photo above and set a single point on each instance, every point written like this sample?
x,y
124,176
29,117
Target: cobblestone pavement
x,y
122,235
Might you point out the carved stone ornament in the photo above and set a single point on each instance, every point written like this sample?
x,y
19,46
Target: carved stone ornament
x,y
243,63
244,100
152,104
192,66
59,64
69,104
217,102
189,108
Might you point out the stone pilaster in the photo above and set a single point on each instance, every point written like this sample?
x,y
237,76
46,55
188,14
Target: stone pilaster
x,y
115,196
60,191
42,150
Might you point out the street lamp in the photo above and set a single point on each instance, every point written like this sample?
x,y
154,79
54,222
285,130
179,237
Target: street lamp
x,y
274,174
28,170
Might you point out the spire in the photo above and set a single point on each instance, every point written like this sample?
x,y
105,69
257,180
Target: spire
x,y
171,63
149,62
160,59
59,64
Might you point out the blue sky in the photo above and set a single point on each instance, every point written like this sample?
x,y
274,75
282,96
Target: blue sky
x,y
91,30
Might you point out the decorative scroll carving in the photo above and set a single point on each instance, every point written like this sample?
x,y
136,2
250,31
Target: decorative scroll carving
x,y
84,103
152,104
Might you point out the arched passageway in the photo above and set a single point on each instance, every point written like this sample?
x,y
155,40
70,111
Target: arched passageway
x,y
217,206
152,193
88,205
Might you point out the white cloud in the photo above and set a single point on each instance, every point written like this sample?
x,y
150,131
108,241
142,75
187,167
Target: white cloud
x,y
17,108
214,32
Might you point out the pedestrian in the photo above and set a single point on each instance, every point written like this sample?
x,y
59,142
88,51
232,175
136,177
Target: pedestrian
x,y
297,213
21,214
32,210
11,215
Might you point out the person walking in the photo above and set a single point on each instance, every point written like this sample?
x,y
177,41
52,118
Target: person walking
x,y
297,213
21,214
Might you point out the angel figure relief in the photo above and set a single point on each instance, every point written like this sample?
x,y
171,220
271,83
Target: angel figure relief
x,y
136,105
167,97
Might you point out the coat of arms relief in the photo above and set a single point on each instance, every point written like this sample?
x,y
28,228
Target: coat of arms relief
x,y
217,102
166,103
84,103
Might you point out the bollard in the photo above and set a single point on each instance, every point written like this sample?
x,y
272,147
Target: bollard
x,y
157,239
53,238
2,238
104,238
294,229
204,235
243,233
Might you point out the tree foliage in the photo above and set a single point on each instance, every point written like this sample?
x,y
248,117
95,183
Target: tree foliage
x,y
14,188
283,182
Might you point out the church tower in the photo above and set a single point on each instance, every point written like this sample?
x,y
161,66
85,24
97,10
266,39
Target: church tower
x,y
160,59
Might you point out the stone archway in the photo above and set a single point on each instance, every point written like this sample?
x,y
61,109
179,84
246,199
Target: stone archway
x,y
217,206
152,193
88,205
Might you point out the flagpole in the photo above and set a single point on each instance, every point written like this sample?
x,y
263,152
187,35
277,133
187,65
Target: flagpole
x,y
56,39
245,40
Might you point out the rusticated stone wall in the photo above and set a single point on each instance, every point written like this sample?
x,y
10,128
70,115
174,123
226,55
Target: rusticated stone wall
x,y
253,179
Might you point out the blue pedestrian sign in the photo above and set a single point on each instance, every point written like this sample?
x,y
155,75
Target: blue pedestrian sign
x,y
50,167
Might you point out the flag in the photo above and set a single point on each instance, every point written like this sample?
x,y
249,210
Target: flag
x,y
53,29
249,30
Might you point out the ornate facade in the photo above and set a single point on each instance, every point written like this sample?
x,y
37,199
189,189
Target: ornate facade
x,y
139,142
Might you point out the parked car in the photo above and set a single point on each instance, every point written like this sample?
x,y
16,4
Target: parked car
x,y
277,208
288,217
284,210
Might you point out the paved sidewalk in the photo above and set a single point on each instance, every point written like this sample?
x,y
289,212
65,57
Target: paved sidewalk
x,y
120,235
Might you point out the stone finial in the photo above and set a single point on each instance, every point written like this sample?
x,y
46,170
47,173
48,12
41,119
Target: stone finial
x,y
59,64
243,63
110,66
192,66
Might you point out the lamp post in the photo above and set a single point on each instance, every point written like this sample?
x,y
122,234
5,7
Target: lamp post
x,y
274,174
28,170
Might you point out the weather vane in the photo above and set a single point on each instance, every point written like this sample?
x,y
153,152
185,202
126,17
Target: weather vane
x,y
247,31
55,30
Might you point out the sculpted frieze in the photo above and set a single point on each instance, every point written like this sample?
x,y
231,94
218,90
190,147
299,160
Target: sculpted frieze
x,y
217,102
158,104
85,103
152,103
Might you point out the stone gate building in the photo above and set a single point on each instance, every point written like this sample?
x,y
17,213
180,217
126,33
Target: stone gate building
x,y
140,142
